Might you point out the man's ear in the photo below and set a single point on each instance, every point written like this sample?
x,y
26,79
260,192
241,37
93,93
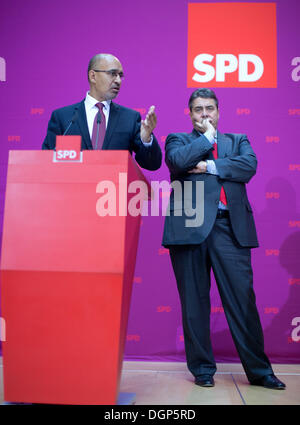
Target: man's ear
x,y
91,76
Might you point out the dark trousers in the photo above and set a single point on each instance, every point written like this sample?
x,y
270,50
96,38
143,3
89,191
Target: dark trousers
x,y
231,265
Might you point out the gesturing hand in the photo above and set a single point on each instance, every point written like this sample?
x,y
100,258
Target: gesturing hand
x,y
148,125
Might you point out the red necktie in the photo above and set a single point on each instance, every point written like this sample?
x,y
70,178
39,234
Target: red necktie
x,y
99,128
222,194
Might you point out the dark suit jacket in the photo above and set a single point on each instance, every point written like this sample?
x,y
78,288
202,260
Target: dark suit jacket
x,y
236,165
122,133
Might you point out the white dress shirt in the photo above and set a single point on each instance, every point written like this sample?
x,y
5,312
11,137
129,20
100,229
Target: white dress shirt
x,y
91,111
211,167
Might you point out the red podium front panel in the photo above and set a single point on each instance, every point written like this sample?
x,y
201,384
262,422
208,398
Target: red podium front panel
x,y
66,276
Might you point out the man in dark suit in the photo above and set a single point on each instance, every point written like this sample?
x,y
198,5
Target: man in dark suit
x,y
222,164
101,123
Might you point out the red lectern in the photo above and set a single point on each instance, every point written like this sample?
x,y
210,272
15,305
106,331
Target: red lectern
x,y
67,268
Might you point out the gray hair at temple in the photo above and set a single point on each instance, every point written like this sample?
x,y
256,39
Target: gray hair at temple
x,y
205,93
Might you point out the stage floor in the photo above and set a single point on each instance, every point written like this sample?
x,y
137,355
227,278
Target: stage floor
x,y
172,383
168,383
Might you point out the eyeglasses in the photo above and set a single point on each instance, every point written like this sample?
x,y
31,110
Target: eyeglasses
x,y
112,73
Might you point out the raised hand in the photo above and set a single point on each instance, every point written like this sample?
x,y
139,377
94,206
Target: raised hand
x,y
148,125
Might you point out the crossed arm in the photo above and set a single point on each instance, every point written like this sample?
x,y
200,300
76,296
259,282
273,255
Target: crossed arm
x,y
182,157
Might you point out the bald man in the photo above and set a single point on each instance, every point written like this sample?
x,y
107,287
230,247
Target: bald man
x,y
103,124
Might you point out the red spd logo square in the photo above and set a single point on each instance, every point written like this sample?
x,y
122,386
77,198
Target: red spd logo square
x,y
232,45
68,149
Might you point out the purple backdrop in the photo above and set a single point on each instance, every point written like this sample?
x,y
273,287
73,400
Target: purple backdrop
x,y
45,47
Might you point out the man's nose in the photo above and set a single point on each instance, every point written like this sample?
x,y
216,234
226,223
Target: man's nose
x,y
118,79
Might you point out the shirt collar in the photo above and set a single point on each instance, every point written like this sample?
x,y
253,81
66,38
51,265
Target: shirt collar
x,y
90,101
215,136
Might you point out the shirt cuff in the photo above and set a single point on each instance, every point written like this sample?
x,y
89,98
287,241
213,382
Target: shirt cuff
x,y
211,167
149,143
209,137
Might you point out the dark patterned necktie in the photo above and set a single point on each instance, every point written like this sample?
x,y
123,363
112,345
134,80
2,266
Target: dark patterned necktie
x,y
99,128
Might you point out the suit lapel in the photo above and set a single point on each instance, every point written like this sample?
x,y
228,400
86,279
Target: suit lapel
x,y
112,122
82,122
223,145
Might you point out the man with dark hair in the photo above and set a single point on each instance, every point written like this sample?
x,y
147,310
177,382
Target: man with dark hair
x,y
224,163
205,94
101,123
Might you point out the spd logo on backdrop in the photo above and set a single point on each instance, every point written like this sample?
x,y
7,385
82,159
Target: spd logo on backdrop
x,y
232,45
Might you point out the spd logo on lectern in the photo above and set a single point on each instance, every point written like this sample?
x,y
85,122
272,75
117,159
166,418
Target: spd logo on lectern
x,y
67,154
232,45
68,149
